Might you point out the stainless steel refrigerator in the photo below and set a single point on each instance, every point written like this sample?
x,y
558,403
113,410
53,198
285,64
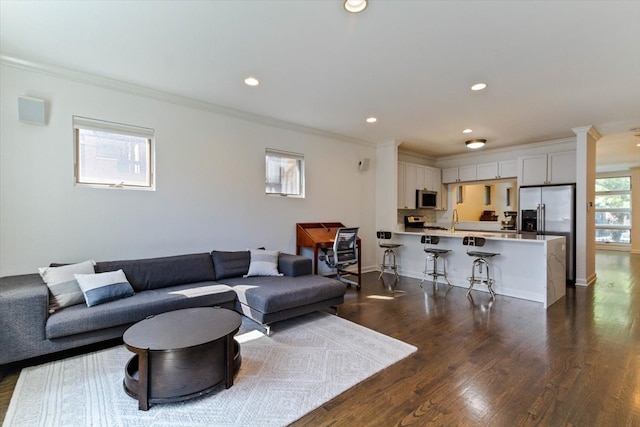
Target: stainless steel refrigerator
x,y
550,210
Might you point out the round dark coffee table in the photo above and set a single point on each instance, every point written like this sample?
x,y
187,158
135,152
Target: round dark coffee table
x,y
181,354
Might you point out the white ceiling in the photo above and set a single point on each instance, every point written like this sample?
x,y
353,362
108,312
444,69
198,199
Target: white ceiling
x,y
550,66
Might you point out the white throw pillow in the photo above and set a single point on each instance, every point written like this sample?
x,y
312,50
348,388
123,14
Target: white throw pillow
x,y
104,287
62,284
263,263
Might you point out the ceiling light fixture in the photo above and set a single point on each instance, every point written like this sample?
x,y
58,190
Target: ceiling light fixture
x,y
475,143
355,6
251,81
371,120
479,86
467,131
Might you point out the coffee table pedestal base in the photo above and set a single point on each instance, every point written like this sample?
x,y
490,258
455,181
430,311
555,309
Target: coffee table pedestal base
x,y
175,375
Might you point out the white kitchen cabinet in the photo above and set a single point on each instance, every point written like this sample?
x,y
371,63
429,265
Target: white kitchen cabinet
x,y
449,175
497,170
487,171
459,174
432,180
412,177
508,169
400,193
467,173
553,168
561,167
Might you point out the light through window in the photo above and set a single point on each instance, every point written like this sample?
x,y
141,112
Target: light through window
x,y
284,173
113,155
613,210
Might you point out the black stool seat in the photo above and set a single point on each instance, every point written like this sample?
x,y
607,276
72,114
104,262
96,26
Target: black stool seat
x,y
437,251
390,245
482,254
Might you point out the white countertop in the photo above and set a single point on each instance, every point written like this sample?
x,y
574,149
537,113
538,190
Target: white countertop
x,y
486,234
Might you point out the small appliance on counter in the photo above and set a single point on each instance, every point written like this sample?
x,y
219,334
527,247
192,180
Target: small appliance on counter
x,y
510,220
488,216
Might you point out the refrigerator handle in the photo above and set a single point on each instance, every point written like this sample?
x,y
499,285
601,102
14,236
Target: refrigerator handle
x,y
544,219
538,218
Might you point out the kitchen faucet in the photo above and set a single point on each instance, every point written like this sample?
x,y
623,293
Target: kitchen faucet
x,y
454,220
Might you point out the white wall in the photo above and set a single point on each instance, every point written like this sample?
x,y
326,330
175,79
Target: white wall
x,y
209,180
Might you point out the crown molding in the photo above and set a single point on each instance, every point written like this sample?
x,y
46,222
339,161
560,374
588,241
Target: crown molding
x,y
158,95
510,148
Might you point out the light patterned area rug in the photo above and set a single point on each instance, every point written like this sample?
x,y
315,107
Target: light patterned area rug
x,y
304,363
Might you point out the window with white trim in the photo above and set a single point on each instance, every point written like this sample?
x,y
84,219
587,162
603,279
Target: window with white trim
x,y
613,209
284,173
113,155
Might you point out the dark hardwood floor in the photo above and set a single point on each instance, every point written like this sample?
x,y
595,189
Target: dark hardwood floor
x,y
505,363
509,363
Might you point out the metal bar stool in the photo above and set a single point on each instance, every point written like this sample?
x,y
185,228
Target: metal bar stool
x,y
478,263
434,254
389,256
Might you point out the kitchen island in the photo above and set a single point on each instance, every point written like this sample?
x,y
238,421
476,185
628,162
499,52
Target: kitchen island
x,y
528,267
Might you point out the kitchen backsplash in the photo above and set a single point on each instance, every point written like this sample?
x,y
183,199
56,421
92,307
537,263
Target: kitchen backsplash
x,y
429,214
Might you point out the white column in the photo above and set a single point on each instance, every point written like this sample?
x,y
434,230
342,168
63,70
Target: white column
x,y
586,138
386,168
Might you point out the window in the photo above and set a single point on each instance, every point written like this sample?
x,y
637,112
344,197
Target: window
x,y
113,155
284,173
613,210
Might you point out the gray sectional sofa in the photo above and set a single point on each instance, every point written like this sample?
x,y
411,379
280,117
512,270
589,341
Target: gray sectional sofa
x,y
28,329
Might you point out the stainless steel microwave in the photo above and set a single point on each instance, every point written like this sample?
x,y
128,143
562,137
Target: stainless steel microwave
x,y
426,199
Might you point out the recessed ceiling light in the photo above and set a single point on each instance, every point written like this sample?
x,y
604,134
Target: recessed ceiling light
x,y
251,81
371,120
475,143
467,131
355,6
478,86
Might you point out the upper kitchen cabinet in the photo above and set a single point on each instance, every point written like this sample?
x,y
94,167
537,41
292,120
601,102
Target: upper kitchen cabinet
x,y
553,168
412,177
459,174
432,179
497,170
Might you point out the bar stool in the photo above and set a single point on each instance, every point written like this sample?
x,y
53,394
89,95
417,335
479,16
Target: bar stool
x,y
433,254
389,256
478,262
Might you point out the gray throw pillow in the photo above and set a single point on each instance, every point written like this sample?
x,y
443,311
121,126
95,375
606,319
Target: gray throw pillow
x,y
63,287
229,264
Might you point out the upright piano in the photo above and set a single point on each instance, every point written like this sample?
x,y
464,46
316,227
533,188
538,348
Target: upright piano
x,y
317,235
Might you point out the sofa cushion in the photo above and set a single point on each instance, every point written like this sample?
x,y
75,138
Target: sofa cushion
x,y
263,263
80,318
104,287
270,294
231,263
154,273
62,284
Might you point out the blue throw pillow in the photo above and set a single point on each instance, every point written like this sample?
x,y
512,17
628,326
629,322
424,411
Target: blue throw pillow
x,y
104,287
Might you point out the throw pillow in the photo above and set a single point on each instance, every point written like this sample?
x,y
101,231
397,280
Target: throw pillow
x,y
263,263
230,263
63,287
104,287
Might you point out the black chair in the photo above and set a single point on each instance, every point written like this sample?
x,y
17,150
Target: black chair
x,y
479,261
434,254
343,254
389,256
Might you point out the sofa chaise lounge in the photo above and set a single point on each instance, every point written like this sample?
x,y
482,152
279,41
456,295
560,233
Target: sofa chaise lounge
x,y
28,328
